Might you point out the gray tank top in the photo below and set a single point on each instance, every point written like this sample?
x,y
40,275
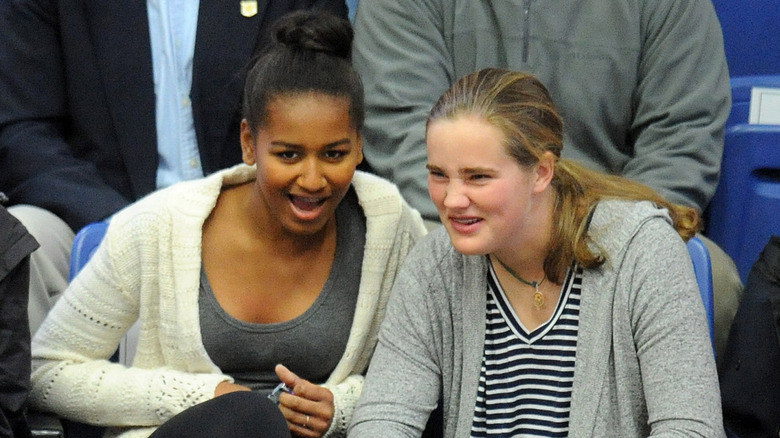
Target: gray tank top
x,y
310,345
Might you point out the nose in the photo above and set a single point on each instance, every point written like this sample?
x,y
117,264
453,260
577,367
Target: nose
x,y
455,196
311,177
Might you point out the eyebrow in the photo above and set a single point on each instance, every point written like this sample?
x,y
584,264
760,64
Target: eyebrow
x,y
329,145
465,171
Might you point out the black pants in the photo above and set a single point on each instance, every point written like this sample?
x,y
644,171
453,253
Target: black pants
x,y
241,414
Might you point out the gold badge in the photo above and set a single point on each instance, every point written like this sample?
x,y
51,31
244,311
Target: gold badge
x,y
248,8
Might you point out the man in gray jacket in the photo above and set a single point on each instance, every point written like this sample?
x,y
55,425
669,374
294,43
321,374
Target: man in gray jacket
x,y
643,88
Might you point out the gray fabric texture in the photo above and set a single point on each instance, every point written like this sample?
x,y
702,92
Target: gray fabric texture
x,y
644,363
643,86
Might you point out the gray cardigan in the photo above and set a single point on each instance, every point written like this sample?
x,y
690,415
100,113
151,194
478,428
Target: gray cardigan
x,y
644,361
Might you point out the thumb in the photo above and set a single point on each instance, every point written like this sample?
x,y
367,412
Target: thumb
x,y
285,375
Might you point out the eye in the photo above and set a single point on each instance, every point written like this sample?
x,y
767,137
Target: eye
x,y
335,154
288,155
479,177
436,174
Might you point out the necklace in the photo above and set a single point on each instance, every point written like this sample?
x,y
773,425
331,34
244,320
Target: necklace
x,y
538,296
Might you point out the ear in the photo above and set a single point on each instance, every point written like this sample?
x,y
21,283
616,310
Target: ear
x,y
359,145
545,169
247,143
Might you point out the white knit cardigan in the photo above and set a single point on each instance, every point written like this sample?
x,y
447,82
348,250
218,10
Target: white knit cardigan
x,y
148,268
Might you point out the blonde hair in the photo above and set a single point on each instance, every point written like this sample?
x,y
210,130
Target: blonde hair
x,y
521,107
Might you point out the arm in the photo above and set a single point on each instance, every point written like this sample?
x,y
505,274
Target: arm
x,y
403,382
405,66
403,232
677,366
39,166
682,101
72,375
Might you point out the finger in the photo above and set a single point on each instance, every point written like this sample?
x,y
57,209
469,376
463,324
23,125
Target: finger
x,y
285,375
304,424
309,399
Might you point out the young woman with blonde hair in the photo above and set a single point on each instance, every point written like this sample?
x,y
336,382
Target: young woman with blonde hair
x,y
554,301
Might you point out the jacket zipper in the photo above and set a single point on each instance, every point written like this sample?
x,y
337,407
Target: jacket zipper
x,y
527,21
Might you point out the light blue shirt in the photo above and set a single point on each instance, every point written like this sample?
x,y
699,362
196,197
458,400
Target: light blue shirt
x,y
172,25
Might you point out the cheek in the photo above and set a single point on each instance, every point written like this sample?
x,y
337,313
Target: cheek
x,y
271,177
436,191
341,177
498,198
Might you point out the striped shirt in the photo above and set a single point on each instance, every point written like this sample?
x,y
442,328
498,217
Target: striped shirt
x,y
526,378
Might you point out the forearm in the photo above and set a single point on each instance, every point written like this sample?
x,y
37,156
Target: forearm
x,y
39,170
345,397
403,381
676,363
684,98
72,374
39,166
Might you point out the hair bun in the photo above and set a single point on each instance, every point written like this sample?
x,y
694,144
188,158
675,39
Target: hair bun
x,y
317,31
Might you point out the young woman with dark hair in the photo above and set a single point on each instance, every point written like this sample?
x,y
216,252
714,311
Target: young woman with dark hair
x,y
275,270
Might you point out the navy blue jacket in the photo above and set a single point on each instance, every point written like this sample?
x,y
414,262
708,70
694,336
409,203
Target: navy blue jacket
x,y
77,122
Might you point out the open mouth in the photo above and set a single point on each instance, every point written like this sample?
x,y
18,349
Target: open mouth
x,y
464,221
464,225
307,207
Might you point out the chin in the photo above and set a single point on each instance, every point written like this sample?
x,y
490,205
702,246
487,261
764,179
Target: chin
x,y
466,247
305,228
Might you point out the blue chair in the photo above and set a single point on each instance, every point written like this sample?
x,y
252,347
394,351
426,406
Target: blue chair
x,y
745,210
702,267
750,35
84,245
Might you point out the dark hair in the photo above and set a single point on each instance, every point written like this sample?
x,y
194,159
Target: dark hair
x,y
311,53
521,107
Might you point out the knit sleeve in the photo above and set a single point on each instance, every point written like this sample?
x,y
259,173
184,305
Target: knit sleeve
x,y
72,372
345,397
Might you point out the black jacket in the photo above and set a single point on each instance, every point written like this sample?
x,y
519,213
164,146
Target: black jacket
x,y
750,372
16,244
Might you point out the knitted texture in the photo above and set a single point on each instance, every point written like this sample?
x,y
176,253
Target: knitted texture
x,y
148,268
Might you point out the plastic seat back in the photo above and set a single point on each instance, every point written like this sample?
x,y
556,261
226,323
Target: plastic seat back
x,y
702,267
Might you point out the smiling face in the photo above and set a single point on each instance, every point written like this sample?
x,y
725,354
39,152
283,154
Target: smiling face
x,y
306,155
485,199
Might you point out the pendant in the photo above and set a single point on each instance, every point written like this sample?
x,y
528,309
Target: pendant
x,y
538,300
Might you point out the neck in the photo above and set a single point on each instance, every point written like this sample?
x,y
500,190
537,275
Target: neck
x,y
525,254
534,284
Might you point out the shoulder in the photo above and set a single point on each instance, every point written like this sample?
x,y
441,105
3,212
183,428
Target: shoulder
x,y
616,223
380,199
371,188
434,259
180,203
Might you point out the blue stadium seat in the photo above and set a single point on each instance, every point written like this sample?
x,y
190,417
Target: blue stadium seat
x,y
745,210
750,35
84,245
702,267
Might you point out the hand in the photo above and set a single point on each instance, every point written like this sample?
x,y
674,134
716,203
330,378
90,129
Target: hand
x,y
309,409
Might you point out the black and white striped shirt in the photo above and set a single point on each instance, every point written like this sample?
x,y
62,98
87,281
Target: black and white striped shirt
x,y
526,378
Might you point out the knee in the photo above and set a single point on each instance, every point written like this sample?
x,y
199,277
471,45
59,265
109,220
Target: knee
x,y
42,224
